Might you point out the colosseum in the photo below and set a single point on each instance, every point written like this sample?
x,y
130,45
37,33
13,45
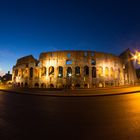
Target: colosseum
x,y
74,69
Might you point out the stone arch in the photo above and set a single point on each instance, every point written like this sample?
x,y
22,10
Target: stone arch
x,y
59,85
116,74
77,70
26,84
43,85
36,72
85,85
69,71
93,72
111,72
43,71
36,85
21,84
101,84
16,72
26,72
31,72
51,70
23,73
51,85
86,70
119,72
18,84
100,71
60,71
121,76
106,72
93,62
20,72
77,85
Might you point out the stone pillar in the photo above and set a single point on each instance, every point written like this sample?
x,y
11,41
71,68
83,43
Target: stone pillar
x,y
90,77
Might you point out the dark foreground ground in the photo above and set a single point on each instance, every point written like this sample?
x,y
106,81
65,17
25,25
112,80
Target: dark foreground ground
x,y
32,117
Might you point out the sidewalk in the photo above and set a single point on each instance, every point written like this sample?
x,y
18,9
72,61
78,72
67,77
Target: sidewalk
x,y
76,92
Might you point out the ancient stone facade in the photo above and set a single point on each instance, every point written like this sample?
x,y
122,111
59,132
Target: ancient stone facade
x,y
75,69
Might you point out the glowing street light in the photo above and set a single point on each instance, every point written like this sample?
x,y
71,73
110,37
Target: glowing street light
x,y
136,57
70,74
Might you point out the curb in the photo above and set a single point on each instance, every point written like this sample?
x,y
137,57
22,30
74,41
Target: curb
x,y
70,95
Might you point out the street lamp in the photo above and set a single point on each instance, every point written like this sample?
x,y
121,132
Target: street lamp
x,y
136,57
59,75
69,74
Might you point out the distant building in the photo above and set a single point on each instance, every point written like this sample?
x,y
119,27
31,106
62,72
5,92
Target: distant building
x,y
6,78
82,69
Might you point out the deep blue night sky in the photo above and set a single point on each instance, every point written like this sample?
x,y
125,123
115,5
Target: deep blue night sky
x,y
32,26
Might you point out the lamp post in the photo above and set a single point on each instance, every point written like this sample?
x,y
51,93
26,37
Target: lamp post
x,y
136,57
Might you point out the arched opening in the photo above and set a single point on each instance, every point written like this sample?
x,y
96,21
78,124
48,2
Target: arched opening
x,y
43,85
77,85
51,86
111,83
18,84
106,83
100,71
68,86
36,85
111,72
116,74
43,71
22,84
26,84
26,72
51,70
86,70
93,72
101,84
68,62
60,85
60,72
77,70
85,85
69,71
93,62
106,72
31,72
20,73
36,73
119,72
16,72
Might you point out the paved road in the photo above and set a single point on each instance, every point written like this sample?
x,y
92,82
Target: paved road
x,y
75,92
69,118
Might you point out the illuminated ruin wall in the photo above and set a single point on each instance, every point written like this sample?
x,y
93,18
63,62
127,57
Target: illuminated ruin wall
x,y
79,69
